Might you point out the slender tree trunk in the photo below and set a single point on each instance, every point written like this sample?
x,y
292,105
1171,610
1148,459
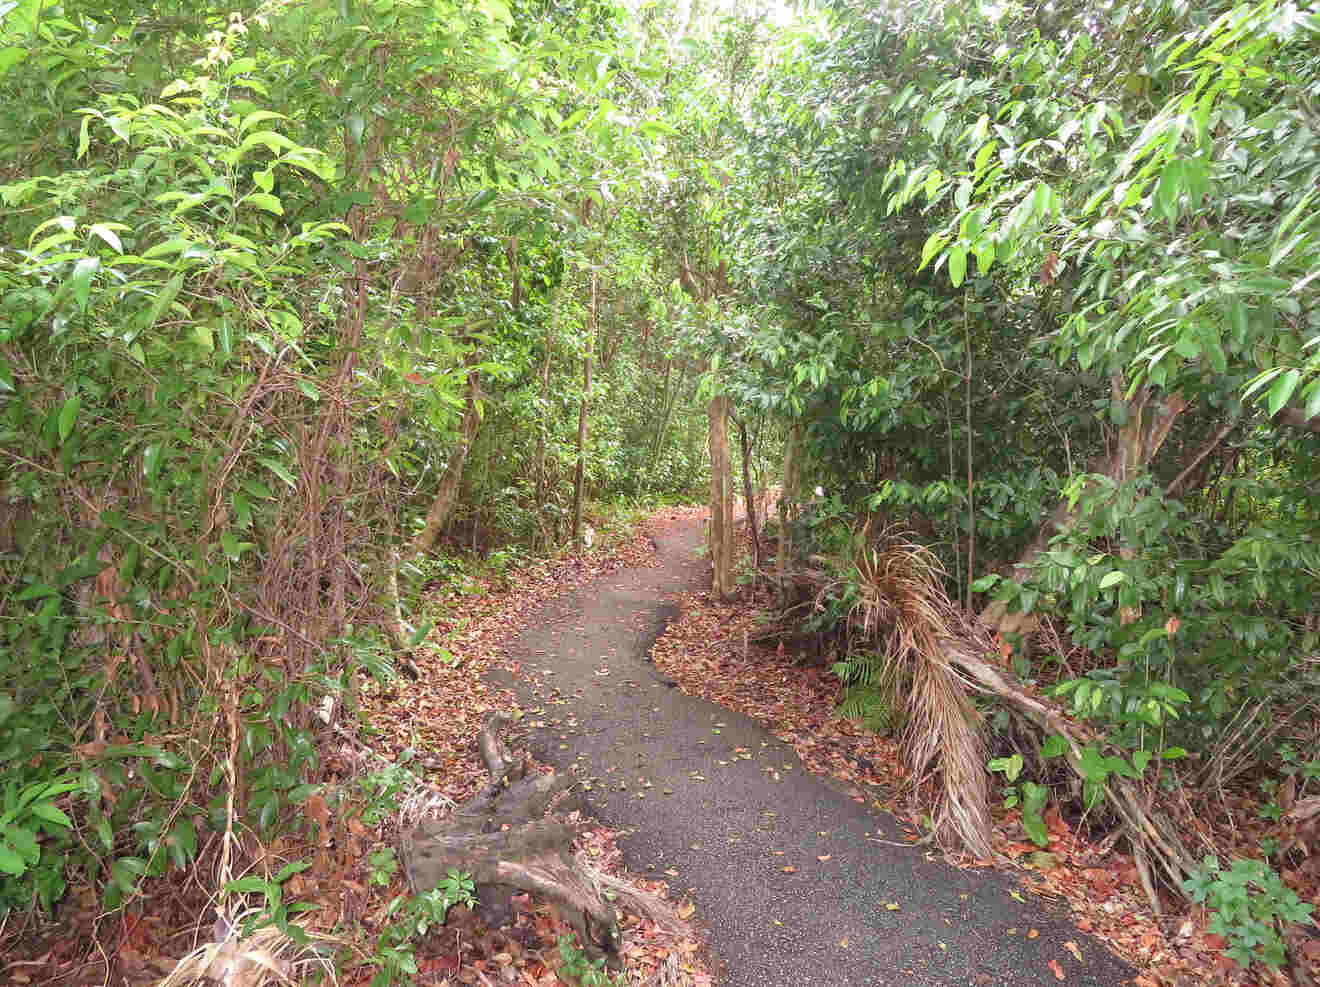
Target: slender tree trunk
x,y
579,477
750,496
721,500
658,443
543,426
971,491
447,496
671,401
787,495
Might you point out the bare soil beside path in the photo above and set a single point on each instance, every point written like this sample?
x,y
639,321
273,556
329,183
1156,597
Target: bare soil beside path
x,y
794,881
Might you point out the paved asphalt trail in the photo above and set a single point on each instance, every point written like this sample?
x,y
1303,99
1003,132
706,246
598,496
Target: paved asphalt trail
x,y
669,774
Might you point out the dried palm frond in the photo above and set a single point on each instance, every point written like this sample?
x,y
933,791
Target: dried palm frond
x,y
265,958
630,898
902,605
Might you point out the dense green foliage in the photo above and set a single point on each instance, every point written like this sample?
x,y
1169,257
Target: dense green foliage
x,y
253,264
1006,249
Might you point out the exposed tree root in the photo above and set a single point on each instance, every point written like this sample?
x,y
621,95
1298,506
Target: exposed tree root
x,y
507,839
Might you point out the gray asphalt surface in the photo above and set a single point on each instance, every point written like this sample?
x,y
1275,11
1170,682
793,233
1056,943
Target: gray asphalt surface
x,y
722,826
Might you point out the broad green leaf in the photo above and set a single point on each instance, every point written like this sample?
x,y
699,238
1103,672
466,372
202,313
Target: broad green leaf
x,y
1168,190
962,194
240,65
126,870
256,117
1010,767
239,241
274,142
1054,746
934,243
1034,825
107,234
69,416
1040,200
294,867
54,240
957,264
51,813
1260,382
23,841
279,469
266,201
1311,393
1282,391
163,300
174,246
985,256
1113,578
935,123
933,182
152,458
10,860
80,281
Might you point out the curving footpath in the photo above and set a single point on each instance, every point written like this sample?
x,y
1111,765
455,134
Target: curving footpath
x,y
794,882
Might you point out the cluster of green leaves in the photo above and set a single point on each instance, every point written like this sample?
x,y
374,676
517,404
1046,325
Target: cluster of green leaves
x,y
574,963
410,918
1216,616
1249,900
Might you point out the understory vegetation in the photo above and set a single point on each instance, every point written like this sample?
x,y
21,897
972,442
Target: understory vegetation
x,y
313,317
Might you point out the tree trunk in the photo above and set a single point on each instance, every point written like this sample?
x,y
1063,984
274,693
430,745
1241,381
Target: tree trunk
x,y
543,426
580,474
721,500
447,496
787,495
1140,438
666,407
749,495
507,839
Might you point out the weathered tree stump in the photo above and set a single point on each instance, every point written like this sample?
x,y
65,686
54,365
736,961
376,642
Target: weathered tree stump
x,y
507,839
